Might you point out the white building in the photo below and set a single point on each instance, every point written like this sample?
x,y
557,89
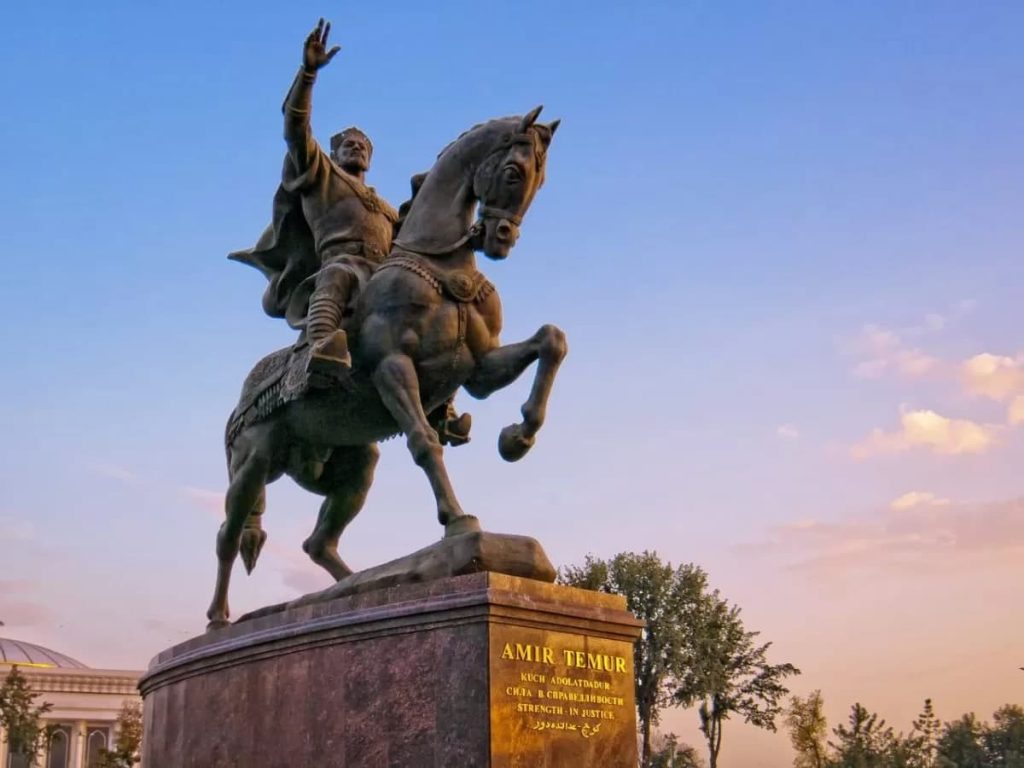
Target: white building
x,y
86,702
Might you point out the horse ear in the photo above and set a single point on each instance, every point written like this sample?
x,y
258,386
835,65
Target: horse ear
x,y
546,132
529,118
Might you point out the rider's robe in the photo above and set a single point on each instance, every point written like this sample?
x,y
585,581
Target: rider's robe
x,y
323,214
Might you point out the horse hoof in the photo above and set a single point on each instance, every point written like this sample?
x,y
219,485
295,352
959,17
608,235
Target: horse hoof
x,y
512,444
460,525
217,624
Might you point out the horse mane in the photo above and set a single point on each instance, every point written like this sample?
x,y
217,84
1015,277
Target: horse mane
x,y
416,182
403,210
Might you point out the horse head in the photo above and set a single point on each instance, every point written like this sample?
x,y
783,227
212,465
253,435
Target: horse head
x,y
506,182
494,168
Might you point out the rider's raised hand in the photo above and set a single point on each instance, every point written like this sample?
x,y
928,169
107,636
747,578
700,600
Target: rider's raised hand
x,y
315,54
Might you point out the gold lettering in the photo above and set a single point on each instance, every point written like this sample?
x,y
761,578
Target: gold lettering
x,y
620,664
549,656
506,652
581,659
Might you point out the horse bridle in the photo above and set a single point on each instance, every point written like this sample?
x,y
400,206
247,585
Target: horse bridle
x,y
486,211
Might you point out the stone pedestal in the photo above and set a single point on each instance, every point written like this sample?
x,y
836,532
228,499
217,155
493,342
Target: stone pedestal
x,y
475,671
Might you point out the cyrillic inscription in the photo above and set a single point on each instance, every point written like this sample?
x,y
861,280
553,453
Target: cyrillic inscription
x,y
564,684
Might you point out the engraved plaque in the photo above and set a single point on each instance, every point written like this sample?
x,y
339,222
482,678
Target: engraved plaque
x,y
560,699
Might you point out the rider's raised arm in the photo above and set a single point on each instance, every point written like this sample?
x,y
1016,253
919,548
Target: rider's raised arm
x,y
298,103
297,131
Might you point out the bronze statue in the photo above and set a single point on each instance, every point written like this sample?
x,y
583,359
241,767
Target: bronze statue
x,y
418,326
330,231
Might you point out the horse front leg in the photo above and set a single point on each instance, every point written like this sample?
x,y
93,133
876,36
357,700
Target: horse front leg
x,y
503,365
399,388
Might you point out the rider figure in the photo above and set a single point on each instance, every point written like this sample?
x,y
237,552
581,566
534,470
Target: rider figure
x,y
330,233
351,226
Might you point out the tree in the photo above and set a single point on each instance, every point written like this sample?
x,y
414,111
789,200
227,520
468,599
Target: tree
x,y
21,719
960,744
924,737
126,752
669,752
867,742
808,730
669,602
730,674
1003,742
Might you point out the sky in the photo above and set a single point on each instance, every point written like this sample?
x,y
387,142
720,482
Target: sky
x,y
784,240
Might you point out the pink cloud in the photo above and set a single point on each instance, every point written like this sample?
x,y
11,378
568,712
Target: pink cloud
x,y
208,501
884,351
997,377
17,609
929,530
115,472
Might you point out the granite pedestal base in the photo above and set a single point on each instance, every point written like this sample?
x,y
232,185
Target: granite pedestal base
x,y
476,671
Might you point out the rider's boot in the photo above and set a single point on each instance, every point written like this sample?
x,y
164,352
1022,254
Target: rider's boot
x,y
329,359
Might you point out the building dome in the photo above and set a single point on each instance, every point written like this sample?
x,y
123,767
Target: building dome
x,y
27,654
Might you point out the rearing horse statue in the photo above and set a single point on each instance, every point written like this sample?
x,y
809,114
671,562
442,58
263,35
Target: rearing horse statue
x,y
426,323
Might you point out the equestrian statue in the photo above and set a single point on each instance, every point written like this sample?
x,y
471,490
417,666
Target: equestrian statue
x,y
393,318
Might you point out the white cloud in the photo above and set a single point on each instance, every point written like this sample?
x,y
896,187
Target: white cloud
x,y
917,499
788,432
930,430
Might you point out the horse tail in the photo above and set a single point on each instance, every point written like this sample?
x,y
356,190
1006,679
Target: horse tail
x,y
230,430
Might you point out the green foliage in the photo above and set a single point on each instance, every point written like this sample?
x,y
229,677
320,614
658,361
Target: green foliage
x,y
730,674
127,749
924,738
669,752
960,744
20,717
1004,741
694,649
669,601
808,730
866,743
965,743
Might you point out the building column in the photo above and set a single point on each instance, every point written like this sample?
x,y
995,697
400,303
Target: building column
x,y
77,751
3,749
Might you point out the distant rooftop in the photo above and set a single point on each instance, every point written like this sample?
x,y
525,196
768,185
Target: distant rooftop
x,y
29,655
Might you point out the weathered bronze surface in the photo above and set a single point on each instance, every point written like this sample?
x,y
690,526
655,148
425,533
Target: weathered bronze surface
x,y
452,556
476,671
394,317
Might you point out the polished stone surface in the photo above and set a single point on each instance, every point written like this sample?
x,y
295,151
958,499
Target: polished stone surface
x,y
477,670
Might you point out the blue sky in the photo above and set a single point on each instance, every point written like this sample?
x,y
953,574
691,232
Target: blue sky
x,y
768,230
